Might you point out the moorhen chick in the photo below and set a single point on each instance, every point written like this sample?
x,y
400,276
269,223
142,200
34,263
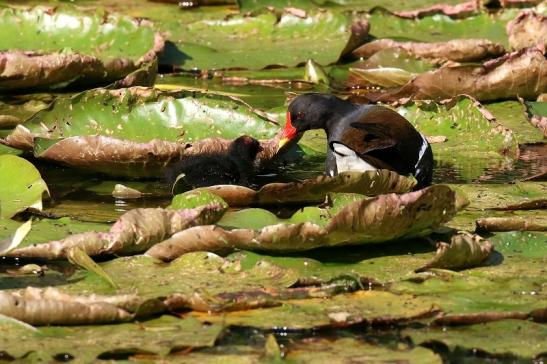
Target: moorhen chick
x,y
233,167
361,137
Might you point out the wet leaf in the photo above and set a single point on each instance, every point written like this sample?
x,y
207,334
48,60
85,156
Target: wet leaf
x,y
21,186
521,339
365,221
92,52
86,343
315,189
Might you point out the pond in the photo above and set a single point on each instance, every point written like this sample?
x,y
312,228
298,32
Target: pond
x,y
104,259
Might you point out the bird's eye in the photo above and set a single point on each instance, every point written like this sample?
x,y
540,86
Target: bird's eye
x,y
300,115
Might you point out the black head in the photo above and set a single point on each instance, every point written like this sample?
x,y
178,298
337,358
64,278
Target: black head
x,y
311,111
245,147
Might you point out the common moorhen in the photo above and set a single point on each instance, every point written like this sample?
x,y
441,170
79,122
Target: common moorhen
x,y
233,167
361,137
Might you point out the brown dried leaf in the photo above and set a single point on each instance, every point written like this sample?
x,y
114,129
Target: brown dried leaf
x,y
383,218
455,11
457,50
125,157
50,306
511,224
134,232
369,183
528,29
465,250
522,73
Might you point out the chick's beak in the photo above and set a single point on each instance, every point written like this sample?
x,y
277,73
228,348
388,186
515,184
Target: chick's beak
x,y
288,133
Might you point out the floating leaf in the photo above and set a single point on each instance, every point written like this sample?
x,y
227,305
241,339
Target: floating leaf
x,y
321,35
21,186
96,47
315,189
88,343
81,131
458,50
521,74
13,242
464,250
134,232
383,218
512,224
384,77
521,339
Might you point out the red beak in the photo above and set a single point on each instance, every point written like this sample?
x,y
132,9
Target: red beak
x,y
288,133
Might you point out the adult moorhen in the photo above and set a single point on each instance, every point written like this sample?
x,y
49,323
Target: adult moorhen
x,y
233,167
361,137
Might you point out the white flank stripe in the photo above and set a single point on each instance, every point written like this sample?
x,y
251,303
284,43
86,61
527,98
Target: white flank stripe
x,y
348,160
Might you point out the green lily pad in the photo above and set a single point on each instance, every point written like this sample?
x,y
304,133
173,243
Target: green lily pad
x,y
439,28
21,186
512,115
195,273
238,41
78,47
341,310
86,343
508,338
149,130
348,350
471,136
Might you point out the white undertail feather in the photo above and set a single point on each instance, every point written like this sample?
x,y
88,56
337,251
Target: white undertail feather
x,y
348,160
421,153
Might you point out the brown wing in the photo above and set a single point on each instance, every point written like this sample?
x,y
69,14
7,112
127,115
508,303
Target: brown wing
x,y
364,138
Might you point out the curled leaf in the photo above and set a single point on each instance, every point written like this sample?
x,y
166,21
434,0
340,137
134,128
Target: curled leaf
x,y
457,50
315,189
383,218
511,224
464,250
528,29
522,73
134,232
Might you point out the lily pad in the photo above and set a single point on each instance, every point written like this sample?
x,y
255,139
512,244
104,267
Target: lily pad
x,y
466,126
150,129
293,39
520,74
369,183
366,221
96,48
338,311
507,338
87,343
21,186
134,232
